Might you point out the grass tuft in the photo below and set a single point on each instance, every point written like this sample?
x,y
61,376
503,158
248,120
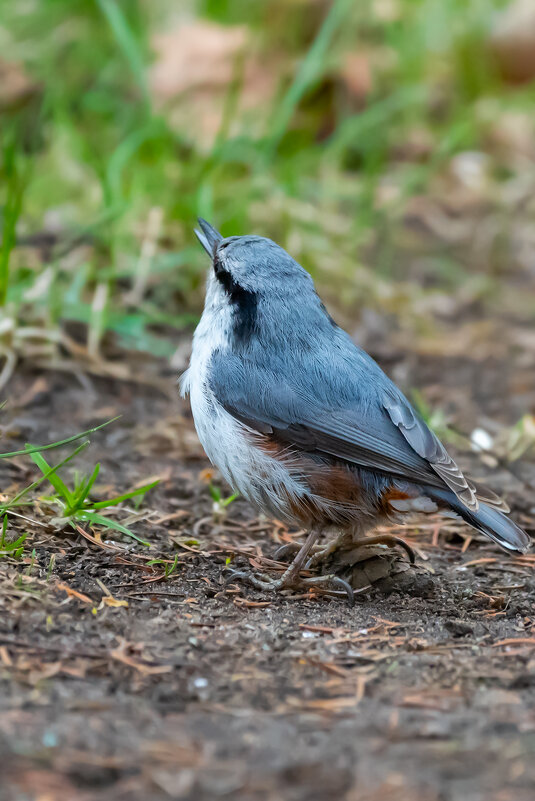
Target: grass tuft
x,y
73,505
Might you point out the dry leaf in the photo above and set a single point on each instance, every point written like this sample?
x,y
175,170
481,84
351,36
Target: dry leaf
x,y
207,475
196,64
357,75
513,41
513,133
15,86
114,602
195,55
119,655
74,593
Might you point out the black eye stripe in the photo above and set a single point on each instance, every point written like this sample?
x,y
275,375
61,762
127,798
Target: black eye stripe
x,y
243,301
218,267
227,281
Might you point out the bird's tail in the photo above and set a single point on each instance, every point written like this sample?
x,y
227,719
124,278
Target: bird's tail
x,y
488,520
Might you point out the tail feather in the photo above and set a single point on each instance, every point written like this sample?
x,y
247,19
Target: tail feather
x,y
487,519
485,495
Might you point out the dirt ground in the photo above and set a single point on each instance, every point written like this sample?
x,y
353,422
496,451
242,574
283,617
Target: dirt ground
x,y
198,690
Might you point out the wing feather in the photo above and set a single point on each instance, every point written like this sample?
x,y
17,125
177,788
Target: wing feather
x,y
314,410
426,444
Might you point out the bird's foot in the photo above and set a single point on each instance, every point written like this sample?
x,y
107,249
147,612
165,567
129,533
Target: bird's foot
x,y
348,565
321,553
265,583
291,548
391,542
376,562
373,561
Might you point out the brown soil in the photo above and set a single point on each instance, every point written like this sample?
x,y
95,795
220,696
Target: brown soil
x,y
197,690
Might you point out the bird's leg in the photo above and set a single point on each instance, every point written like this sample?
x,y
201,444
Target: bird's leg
x,y
283,552
365,561
321,554
290,577
318,552
290,574
345,542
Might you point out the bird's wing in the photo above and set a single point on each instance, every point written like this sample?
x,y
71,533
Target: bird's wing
x,y
342,405
422,440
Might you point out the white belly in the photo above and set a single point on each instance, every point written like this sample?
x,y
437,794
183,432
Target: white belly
x,y
263,480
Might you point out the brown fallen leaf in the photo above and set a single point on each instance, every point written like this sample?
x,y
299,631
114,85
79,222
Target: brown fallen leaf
x,y
512,134
195,55
244,603
96,540
38,387
356,74
119,655
181,513
516,641
5,658
207,475
327,704
491,560
78,670
16,88
45,785
196,63
46,671
443,700
74,593
321,629
113,602
513,41
327,667
107,598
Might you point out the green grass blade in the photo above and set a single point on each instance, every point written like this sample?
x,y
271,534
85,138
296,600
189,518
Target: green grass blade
x,y
123,154
13,546
231,498
372,119
105,522
81,493
127,43
6,506
11,212
309,71
59,485
215,493
39,448
125,497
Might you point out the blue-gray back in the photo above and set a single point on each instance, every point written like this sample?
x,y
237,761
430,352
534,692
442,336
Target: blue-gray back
x,y
308,383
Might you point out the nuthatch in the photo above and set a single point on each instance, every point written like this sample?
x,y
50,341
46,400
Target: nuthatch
x,y
303,423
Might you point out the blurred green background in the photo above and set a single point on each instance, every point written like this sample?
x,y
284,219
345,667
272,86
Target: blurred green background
x,y
388,144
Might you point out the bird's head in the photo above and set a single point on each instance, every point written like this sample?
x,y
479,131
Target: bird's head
x,y
266,296
251,264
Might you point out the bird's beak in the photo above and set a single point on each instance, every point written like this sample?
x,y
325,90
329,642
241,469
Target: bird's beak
x,y
208,237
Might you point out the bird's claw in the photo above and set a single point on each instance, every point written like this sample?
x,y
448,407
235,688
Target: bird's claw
x,y
285,550
266,584
246,576
332,579
390,541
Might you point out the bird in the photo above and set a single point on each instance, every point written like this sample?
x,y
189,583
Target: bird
x,y
305,425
